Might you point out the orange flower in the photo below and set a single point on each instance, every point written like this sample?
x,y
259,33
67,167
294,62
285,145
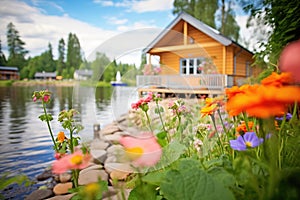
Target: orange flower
x,y
235,90
263,101
277,80
61,137
243,128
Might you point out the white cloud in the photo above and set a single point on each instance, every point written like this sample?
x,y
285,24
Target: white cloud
x,y
104,2
116,21
151,5
136,25
139,6
37,29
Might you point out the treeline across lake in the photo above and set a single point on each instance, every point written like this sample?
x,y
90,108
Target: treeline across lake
x,y
70,58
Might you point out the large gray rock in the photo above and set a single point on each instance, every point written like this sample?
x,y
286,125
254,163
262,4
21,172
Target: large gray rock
x,y
62,197
125,167
115,150
91,176
98,145
99,155
92,167
40,194
109,129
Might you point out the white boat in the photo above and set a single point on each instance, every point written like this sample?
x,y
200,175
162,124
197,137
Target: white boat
x,y
118,81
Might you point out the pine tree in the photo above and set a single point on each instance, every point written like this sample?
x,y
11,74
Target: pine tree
x,y
16,48
74,58
61,65
2,56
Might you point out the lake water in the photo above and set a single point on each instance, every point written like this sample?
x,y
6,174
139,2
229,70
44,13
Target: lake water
x,y
25,144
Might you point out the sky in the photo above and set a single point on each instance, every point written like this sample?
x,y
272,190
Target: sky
x,y
104,24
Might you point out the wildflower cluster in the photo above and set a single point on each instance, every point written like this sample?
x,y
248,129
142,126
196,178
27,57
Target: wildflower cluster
x,y
68,155
250,134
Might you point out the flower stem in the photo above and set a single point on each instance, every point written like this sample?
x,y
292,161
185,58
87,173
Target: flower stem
x,y
49,128
163,125
219,139
148,120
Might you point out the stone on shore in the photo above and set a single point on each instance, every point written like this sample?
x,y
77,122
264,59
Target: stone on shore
x,y
62,188
99,155
45,175
40,194
62,197
65,177
125,167
91,176
99,145
119,175
110,129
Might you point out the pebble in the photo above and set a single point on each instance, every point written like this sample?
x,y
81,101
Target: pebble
x,y
62,197
62,188
45,175
65,177
99,145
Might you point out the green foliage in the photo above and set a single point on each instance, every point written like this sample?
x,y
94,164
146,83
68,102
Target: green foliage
x,y
5,181
191,182
143,191
208,12
46,117
283,17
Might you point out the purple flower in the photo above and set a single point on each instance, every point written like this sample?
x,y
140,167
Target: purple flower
x,y
287,117
249,139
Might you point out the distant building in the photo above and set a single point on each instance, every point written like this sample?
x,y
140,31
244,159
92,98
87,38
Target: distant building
x,y
83,74
9,73
45,75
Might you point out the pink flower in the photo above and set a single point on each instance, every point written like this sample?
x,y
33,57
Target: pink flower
x,y
34,99
46,98
143,151
77,160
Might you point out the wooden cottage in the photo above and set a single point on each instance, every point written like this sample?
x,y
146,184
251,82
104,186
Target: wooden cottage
x,y
192,55
9,73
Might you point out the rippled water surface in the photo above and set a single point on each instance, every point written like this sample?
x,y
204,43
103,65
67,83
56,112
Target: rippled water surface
x,y
25,144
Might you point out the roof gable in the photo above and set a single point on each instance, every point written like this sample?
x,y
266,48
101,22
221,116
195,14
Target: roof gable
x,y
211,32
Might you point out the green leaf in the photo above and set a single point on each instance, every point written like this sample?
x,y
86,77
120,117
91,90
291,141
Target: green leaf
x,y
162,135
143,191
189,182
155,178
171,153
221,175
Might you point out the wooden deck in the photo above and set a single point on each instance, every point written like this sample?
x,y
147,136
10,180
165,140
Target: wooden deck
x,y
184,93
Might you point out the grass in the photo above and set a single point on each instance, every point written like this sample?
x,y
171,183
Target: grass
x,y
5,83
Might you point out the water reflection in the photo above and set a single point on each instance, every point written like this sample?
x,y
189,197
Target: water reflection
x,y
25,144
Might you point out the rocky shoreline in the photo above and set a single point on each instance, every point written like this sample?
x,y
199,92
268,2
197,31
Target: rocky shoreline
x,y
107,164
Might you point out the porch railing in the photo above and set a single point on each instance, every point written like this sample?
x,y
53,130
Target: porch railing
x,y
208,81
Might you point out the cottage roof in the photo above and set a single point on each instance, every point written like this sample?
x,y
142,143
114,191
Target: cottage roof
x,y
211,32
45,74
9,68
84,72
